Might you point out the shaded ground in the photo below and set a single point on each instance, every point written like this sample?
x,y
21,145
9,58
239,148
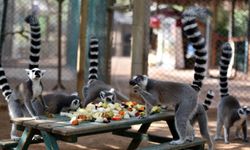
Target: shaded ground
x,y
108,141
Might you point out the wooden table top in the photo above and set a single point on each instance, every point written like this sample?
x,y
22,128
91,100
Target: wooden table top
x,y
61,126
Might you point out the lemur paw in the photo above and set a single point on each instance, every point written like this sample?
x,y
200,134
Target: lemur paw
x,y
245,140
190,138
218,138
15,138
177,142
36,117
226,142
137,89
36,137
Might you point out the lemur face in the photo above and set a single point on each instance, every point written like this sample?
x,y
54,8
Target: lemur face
x,y
35,73
75,104
108,96
244,111
139,80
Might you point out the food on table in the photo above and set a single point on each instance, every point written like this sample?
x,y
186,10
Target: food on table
x,y
104,112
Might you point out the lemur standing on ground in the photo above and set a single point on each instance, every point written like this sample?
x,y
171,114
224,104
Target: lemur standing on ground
x,y
200,116
96,88
229,112
165,93
21,98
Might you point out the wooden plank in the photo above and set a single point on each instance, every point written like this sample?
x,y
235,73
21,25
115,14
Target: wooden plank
x,y
9,143
197,144
19,121
26,139
49,141
142,136
90,127
136,141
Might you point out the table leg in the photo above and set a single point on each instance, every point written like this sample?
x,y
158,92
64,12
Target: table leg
x,y
171,125
49,141
26,139
135,142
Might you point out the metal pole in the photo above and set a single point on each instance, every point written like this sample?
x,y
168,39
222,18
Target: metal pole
x,y
5,5
59,85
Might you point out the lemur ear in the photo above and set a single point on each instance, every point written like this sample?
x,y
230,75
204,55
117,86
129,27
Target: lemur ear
x,y
27,71
43,71
74,94
112,90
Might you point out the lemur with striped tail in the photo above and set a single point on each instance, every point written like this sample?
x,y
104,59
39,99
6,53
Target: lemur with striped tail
x,y
20,99
165,93
229,111
200,116
96,88
54,102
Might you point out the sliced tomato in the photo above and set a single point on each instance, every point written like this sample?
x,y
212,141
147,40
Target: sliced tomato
x,y
117,117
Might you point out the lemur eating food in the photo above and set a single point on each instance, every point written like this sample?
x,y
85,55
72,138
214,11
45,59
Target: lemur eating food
x,y
94,87
229,111
165,93
61,102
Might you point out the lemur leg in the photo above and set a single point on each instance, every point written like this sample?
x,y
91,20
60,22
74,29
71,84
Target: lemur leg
x,y
237,133
190,132
218,130
13,133
244,131
226,134
182,123
149,98
30,109
203,124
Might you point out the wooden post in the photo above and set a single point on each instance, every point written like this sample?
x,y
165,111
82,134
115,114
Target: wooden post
x,y
81,58
95,21
98,25
248,39
140,35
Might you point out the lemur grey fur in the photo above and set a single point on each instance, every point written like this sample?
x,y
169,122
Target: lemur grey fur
x,y
229,112
94,86
156,92
20,99
61,102
200,116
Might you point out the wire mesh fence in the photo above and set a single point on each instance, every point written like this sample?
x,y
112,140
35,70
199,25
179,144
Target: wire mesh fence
x,y
16,45
171,57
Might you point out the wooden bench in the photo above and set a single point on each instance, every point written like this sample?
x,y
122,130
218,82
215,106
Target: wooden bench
x,y
7,144
197,144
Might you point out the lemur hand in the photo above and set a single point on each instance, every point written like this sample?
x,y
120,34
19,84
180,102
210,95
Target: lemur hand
x,y
137,89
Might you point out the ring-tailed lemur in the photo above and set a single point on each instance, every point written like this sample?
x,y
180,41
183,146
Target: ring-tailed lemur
x,y
62,102
94,87
200,116
20,99
229,112
35,41
156,92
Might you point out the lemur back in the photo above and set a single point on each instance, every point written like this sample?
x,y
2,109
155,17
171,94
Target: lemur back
x,y
20,99
156,92
229,112
95,86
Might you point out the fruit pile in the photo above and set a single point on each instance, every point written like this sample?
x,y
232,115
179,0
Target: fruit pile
x,y
105,112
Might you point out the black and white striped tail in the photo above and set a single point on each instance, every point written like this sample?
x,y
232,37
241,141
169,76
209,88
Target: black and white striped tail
x,y
93,59
4,85
208,100
190,28
35,41
224,63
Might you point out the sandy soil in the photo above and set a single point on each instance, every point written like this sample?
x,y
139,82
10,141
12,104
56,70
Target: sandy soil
x,y
108,141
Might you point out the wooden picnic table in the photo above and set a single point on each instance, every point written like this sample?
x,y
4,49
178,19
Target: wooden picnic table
x,y
59,128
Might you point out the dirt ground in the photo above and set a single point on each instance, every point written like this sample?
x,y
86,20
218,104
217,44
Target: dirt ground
x,y
108,141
